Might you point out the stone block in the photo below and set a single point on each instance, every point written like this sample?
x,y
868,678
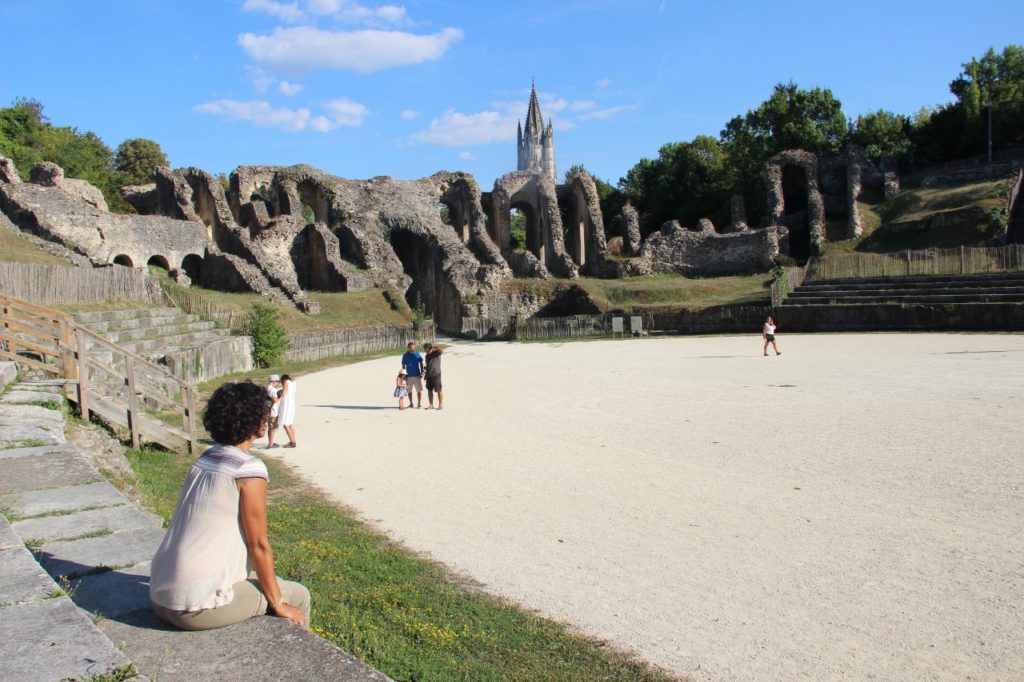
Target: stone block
x,y
53,640
22,474
277,649
77,524
22,579
11,453
78,557
113,594
33,503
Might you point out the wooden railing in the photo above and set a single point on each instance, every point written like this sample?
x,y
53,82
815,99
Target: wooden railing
x,y
787,282
101,377
962,260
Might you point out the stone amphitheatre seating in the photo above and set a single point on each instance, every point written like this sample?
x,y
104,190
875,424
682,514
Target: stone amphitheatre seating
x,y
74,565
995,288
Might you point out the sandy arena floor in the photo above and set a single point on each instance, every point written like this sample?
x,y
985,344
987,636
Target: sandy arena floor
x,y
851,509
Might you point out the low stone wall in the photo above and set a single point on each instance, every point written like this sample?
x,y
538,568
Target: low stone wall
x,y
44,284
705,252
224,356
326,344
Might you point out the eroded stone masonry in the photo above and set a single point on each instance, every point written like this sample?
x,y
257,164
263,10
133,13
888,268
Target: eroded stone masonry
x,y
439,240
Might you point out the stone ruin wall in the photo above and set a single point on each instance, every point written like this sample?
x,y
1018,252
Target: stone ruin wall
x,y
704,251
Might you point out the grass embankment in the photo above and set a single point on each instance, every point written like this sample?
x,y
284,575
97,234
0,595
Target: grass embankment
x,y
656,293
399,613
927,217
15,248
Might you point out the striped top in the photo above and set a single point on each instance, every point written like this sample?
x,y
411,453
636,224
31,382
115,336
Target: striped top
x,y
203,553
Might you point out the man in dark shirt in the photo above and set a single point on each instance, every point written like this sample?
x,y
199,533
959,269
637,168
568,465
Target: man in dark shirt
x,y
434,375
412,362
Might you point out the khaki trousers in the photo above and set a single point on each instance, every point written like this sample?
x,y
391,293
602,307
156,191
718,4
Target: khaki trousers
x,y
248,603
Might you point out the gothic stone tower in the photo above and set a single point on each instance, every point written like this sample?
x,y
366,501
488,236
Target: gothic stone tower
x,y
536,143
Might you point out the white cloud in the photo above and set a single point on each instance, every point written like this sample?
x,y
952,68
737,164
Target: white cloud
x,y
582,105
607,112
342,112
289,89
322,7
454,129
260,79
603,83
410,114
303,48
345,112
466,156
289,12
358,14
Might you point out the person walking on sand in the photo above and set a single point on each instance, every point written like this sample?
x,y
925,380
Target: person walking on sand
x,y
402,390
286,409
273,389
433,363
768,332
412,363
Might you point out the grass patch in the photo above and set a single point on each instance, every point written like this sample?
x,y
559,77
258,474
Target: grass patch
x,y
400,614
119,674
48,404
338,310
55,593
22,443
16,249
667,292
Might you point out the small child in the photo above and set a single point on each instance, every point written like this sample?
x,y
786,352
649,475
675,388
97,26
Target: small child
x,y
401,391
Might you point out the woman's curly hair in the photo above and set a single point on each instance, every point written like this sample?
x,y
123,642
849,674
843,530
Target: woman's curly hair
x,y
236,411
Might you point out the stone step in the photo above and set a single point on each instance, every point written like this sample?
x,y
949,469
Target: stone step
x,y
85,523
123,336
937,299
1015,277
64,499
164,344
913,286
103,327
937,291
128,313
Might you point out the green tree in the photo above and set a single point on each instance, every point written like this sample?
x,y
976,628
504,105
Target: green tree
x,y
269,340
883,133
688,181
791,118
136,159
611,198
996,80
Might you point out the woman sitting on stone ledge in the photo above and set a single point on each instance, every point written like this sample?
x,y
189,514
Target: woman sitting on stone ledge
x,y
200,577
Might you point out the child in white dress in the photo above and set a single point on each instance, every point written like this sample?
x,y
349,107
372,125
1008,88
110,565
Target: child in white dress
x,y
401,389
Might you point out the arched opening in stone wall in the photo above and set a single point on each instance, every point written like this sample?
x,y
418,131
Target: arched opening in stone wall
x,y
159,262
572,208
531,237
309,257
192,264
430,287
123,260
454,215
313,196
795,205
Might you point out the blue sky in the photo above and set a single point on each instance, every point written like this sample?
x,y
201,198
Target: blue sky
x,y
364,88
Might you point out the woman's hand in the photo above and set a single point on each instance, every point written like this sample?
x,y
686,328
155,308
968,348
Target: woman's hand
x,y
289,612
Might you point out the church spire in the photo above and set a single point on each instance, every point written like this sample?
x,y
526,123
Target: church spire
x,y
534,120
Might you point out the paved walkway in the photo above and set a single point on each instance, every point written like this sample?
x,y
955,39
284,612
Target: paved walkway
x,y
84,584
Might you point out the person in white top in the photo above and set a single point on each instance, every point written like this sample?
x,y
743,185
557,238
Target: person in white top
x,y
768,332
287,409
215,566
273,389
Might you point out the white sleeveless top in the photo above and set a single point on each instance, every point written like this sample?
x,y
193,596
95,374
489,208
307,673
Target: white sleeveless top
x,y
769,328
204,553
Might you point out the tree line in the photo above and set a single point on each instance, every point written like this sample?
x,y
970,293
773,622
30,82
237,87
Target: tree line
x,y
27,137
696,179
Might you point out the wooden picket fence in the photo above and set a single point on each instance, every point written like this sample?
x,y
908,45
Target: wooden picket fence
x,y
955,261
196,304
101,377
42,284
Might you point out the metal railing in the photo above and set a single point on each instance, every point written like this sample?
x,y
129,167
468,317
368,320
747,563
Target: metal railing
x,y
101,377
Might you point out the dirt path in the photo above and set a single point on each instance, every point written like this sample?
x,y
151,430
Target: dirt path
x,y
853,508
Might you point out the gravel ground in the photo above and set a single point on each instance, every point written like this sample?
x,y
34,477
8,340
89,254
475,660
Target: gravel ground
x,y
851,509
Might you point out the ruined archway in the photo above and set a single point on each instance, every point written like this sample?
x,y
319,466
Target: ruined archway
x,y
430,286
313,195
313,269
192,264
795,200
159,261
536,240
124,260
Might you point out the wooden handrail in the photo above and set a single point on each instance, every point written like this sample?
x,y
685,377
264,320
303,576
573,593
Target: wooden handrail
x,y
55,335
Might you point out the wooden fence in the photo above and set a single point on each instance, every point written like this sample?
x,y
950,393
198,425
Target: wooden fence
x,y
196,304
331,343
101,377
786,284
42,284
956,261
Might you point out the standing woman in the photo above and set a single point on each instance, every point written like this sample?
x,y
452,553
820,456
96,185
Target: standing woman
x,y
286,412
768,332
215,566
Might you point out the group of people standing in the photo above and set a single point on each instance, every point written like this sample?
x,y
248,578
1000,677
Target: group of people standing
x,y
416,368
